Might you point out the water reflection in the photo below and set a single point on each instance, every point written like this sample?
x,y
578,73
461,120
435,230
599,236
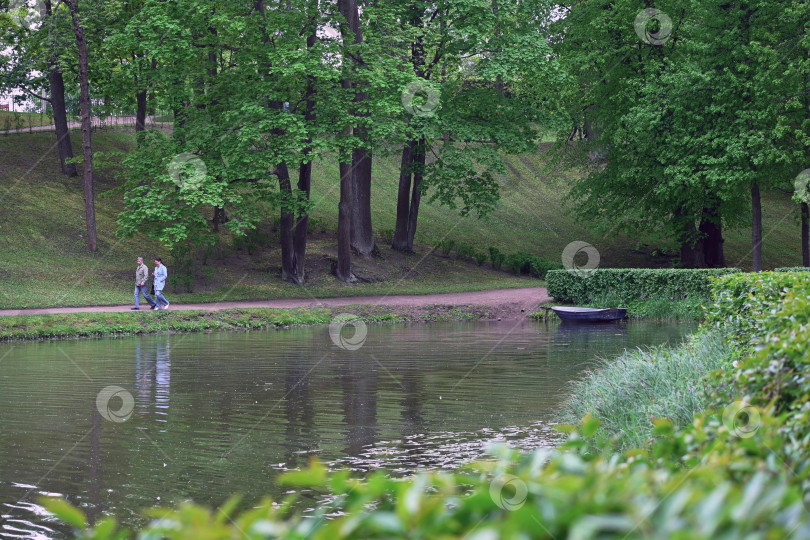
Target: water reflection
x,y
153,373
300,434
216,414
358,380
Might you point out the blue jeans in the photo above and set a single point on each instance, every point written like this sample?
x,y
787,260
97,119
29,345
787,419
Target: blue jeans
x,y
142,290
160,299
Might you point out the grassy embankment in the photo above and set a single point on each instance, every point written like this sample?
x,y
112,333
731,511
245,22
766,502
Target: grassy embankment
x,y
80,325
690,309
656,308
44,260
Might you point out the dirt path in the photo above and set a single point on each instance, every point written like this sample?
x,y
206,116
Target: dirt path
x,y
506,303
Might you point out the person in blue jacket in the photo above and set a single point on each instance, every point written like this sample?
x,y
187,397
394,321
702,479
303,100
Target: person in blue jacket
x,y
160,274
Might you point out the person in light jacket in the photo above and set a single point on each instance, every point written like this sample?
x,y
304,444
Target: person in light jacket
x,y
141,275
160,274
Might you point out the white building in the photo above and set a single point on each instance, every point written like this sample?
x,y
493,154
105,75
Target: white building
x,y
29,104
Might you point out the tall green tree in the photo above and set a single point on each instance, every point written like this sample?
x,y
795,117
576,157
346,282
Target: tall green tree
x,y
472,94
686,101
34,35
245,83
77,17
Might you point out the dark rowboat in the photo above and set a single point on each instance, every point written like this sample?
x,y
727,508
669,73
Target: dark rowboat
x,y
585,314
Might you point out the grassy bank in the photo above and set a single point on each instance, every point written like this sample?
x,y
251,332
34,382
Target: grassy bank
x,y
79,325
628,393
655,308
45,262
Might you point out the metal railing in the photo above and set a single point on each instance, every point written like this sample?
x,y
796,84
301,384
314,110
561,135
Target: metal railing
x,y
28,122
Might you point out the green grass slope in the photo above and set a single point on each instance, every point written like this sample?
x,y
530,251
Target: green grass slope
x,y
532,217
11,120
44,260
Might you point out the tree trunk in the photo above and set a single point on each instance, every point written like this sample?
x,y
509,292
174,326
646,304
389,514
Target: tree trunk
x,y
60,122
294,238
220,217
400,240
416,193
87,146
179,122
296,273
362,234
362,230
304,183
351,34
692,254
805,235
408,195
687,234
343,269
711,229
287,223
804,206
756,229
140,113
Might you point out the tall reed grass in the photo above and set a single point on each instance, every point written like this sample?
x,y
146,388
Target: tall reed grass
x,y
627,393
653,308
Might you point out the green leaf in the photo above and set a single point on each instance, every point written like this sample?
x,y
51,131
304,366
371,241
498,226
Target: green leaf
x,y
590,425
65,512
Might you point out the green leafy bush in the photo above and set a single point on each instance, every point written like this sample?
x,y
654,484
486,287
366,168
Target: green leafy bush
x,y
516,262
526,263
497,258
481,258
767,314
446,246
539,267
792,269
632,283
465,250
779,370
742,302
724,493
770,312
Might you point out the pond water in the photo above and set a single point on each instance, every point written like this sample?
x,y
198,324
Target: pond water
x,y
116,425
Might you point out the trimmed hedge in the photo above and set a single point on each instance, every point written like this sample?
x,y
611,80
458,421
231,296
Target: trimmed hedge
x,y
632,283
778,372
767,314
792,269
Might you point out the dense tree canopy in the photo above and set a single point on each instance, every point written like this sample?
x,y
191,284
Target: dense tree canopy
x,y
685,114
680,113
